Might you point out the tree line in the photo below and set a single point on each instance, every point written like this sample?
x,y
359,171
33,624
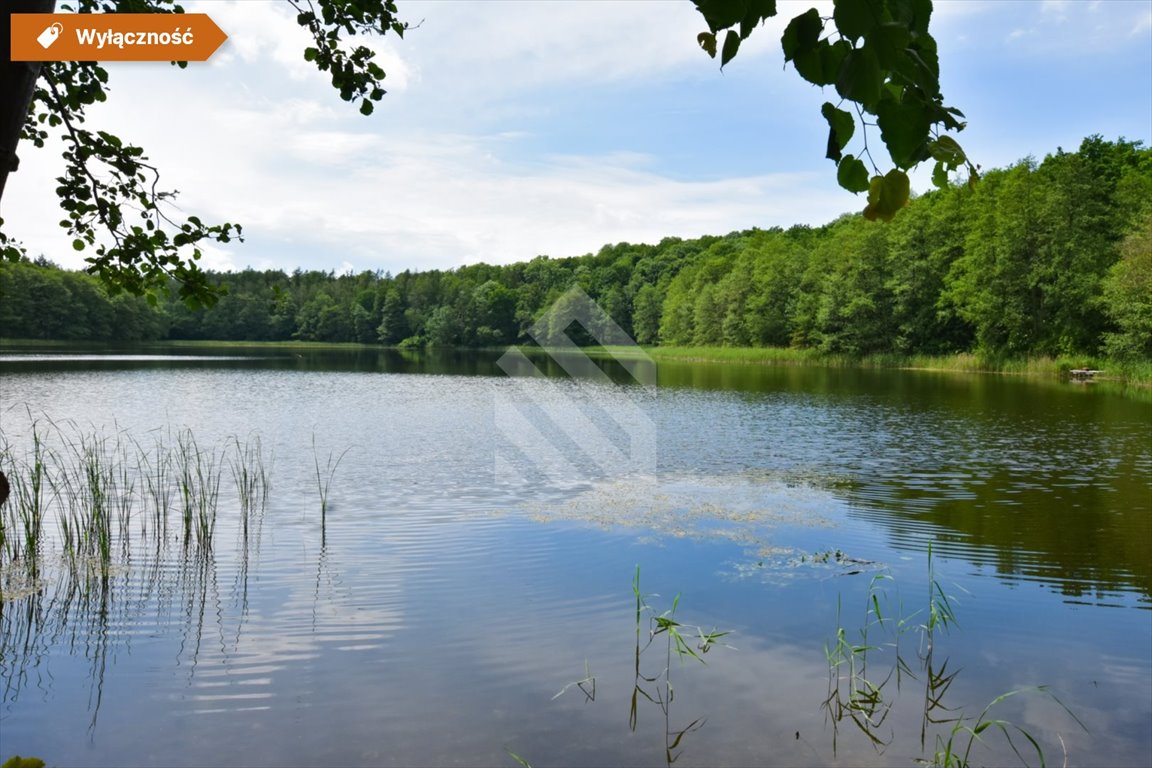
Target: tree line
x,y
1041,258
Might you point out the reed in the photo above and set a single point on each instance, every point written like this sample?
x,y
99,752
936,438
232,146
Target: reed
x,y
154,468
324,478
97,485
246,463
198,476
658,688
955,749
864,700
97,474
24,519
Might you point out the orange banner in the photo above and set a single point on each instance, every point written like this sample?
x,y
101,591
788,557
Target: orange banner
x,y
114,37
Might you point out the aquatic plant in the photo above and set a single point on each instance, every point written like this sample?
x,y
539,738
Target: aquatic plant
x,y
154,468
658,688
21,523
858,697
198,475
250,476
586,684
324,479
955,750
94,486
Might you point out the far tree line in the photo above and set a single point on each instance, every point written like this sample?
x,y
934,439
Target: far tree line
x,y
1041,258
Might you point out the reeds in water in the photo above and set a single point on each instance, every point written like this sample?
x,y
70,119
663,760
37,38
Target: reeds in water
x,y
103,489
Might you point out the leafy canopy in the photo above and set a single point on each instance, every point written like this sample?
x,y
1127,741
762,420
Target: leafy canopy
x,y
882,62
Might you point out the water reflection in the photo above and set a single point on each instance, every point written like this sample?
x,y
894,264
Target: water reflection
x,y
427,600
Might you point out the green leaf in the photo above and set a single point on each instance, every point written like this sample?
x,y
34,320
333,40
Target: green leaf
x,y
758,11
841,127
721,14
731,46
310,54
852,175
802,34
887,194
914,14
940,175
810,66
904,127
832,59
366,107
946,150
707,41
860,77
23,762
821,64
78,244
855,18
889,41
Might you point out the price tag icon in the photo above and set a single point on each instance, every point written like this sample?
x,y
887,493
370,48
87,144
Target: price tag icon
x,y
50,35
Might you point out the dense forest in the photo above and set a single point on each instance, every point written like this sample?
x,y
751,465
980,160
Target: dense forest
x,y
1041,258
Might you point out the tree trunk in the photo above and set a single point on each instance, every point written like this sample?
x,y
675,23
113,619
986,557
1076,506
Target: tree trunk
x,y
17,84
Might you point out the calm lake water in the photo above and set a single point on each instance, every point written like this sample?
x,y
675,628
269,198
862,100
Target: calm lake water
x,y
481,535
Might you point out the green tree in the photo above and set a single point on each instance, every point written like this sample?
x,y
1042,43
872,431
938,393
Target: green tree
x,y
992,284
1128,296
494,314
854,310
779,264
443,327
393,326
923,244
646,314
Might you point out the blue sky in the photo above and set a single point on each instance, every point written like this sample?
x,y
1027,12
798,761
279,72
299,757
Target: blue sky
x,y
514,128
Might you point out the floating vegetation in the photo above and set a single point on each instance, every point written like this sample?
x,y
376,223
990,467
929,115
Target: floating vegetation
x,y
779,565
742,508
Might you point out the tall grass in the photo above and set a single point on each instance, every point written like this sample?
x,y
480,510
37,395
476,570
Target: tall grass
x,y
251,477
102,489
198,476
155,471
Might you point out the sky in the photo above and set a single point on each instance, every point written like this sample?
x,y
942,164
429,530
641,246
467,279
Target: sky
x,y
518,128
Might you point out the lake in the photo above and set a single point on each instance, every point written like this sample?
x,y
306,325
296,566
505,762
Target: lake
x,y
453,566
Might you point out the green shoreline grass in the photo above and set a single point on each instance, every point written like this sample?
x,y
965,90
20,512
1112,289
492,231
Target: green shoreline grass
x,y
1137,373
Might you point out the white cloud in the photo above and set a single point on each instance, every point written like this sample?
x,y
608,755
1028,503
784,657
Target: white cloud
x,y
1143,24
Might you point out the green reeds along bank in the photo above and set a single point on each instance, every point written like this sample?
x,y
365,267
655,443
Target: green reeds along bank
x,y
1136,373
83,498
